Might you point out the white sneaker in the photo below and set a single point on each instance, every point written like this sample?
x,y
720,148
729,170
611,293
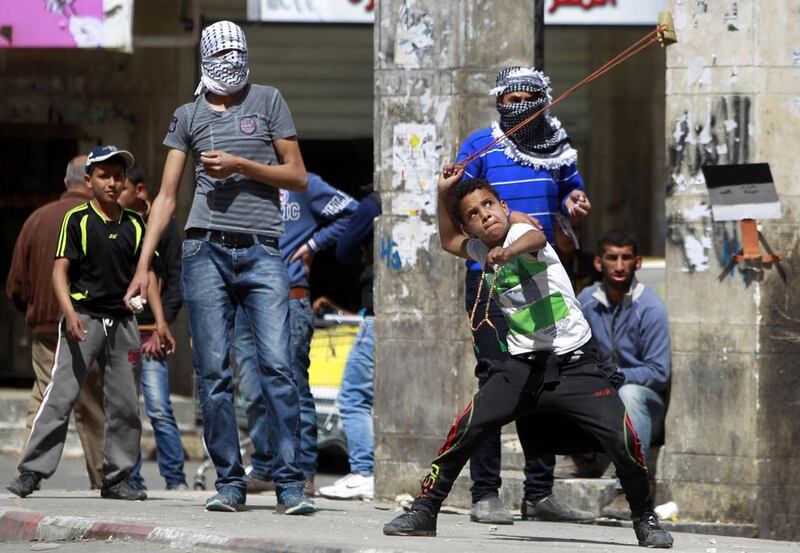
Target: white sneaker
x,y
352,486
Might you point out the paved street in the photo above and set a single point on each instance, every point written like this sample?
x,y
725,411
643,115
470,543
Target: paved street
x,y
119,546
177,520
71,475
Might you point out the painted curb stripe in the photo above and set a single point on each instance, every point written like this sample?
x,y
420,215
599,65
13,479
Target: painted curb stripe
x,y
17,525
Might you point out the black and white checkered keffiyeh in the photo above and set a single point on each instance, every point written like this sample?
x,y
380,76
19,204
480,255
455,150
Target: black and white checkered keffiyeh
x,y
58,6
227,73
542,143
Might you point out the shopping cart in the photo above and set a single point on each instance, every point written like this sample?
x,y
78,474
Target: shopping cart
x,y
330,346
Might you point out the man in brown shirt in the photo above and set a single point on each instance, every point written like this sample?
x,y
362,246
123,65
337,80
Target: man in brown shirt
x,y
30,289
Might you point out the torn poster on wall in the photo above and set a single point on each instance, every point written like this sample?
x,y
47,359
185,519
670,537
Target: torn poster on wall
x,y
415,161
410,237
414,35
738,192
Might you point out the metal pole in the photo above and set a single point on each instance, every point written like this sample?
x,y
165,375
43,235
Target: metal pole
x,y
538,35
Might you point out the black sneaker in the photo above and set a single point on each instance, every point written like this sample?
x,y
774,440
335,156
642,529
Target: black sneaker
x,y
24,484
549,509
650,533
122,490
413,523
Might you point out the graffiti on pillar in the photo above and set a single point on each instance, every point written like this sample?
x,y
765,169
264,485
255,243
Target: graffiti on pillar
x,y
731,16
408,240
389,254
720,136
691,230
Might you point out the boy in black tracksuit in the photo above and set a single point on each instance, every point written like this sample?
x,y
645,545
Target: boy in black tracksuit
x,y
551,381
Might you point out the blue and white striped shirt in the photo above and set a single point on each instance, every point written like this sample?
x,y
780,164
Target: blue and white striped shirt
x,y
538,192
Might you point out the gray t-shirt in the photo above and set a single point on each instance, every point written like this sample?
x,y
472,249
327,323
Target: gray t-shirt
x,y
246,129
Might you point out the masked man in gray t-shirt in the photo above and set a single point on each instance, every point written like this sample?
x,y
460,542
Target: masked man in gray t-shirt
x,y
244,146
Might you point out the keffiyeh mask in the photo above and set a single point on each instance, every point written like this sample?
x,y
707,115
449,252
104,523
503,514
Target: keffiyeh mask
x,y
227,73
542,142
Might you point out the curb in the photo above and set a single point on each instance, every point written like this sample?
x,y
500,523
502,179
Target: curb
x,y
29,526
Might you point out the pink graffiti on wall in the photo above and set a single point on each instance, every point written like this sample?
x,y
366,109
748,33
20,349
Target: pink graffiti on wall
x,y
51,23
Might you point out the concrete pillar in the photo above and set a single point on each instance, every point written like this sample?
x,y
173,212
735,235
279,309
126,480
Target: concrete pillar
x,y
733,96
434,64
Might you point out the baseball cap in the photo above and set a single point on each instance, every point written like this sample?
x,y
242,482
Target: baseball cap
x,y
102,153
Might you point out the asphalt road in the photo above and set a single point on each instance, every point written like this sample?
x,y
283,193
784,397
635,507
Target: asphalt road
x,y
71,475
118,546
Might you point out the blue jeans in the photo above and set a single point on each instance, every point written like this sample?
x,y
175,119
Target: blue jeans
x,y
301,321
355,400
647,409
215,280
169,450
157,405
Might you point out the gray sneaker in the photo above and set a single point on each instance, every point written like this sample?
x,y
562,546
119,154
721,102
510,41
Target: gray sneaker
x,y
551,510
490,510
229,499
618,508
293,501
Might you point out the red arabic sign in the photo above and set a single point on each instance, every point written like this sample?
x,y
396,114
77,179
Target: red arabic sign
x,y
370,4
585,4
603,12
312,11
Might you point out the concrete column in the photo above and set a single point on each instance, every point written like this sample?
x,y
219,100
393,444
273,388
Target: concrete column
x,y
434,64
733,428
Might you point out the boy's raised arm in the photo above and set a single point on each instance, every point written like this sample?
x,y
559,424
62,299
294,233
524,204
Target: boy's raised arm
x,y
453,241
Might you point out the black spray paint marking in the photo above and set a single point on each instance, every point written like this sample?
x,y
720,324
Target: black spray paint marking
x,y
720,137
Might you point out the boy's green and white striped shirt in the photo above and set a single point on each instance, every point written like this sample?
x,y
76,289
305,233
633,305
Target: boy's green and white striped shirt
x,y
536,297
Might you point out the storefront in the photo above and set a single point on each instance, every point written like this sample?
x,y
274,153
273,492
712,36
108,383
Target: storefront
x,y
617,121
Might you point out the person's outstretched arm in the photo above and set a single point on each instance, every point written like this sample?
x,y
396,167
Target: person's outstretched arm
x,y
452,239
160,214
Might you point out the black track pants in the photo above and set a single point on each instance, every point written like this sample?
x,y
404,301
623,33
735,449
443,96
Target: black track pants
x,y
485,462
578,412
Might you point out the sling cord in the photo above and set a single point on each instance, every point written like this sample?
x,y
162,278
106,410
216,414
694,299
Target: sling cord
x,y
638,46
